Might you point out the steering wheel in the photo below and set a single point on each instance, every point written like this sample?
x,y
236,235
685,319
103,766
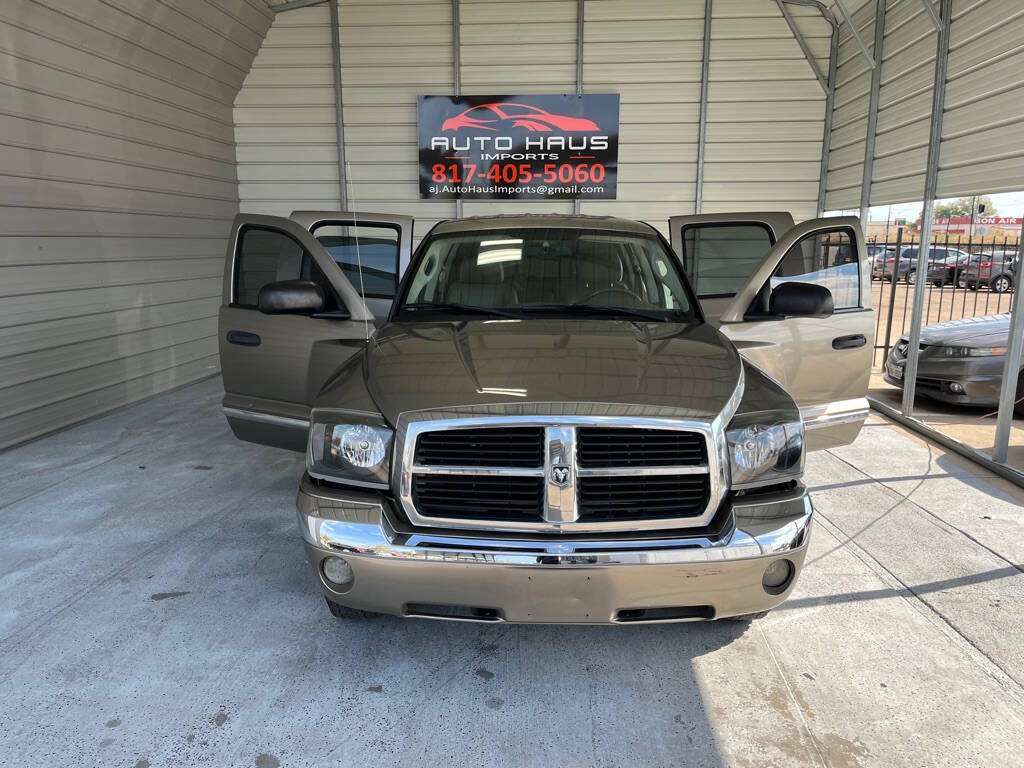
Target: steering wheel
x,y
612,289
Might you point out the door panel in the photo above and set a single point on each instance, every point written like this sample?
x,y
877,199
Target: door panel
x,y
274,365
824,363
372,249
719,251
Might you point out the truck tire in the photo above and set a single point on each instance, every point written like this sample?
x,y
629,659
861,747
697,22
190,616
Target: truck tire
x,y
911,276
1018,407
340,611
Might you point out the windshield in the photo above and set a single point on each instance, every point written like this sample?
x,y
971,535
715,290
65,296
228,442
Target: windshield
x,y
547,271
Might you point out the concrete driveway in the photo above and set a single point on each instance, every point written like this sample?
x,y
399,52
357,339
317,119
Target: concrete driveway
x,y
156,609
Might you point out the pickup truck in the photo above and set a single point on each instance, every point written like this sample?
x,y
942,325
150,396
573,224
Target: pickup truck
x,y
547,418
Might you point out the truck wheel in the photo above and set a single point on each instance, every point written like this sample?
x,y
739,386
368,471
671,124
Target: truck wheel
x,y
340,611
911,276
1018,408
747,616
1001,284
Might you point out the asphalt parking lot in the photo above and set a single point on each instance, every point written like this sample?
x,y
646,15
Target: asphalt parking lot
x,y
156,609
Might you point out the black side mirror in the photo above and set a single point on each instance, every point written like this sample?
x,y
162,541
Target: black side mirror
x,y
801,300
291,297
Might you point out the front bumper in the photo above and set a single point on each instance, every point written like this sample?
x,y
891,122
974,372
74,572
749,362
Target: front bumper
x,y
979,379
553,580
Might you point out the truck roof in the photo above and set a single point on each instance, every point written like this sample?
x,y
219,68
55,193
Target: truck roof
x,y
531,220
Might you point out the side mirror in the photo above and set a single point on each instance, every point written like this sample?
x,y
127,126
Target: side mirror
x,y
801,300
291,297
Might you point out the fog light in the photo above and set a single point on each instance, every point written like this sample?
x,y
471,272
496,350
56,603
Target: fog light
x,y
777,575
956,388
338,572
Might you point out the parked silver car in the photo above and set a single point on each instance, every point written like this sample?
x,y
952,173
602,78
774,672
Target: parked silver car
x,y
961,361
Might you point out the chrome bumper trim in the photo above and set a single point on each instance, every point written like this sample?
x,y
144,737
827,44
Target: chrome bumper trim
x,y
831,414
360,528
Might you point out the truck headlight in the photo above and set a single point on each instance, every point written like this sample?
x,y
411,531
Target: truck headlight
x,y
357,453
763,452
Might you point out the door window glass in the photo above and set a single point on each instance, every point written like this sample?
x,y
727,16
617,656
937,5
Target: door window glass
x,y
719,258
264,256
373,248
828,259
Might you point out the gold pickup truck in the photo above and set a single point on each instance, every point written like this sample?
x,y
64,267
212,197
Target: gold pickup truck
x,y
547,418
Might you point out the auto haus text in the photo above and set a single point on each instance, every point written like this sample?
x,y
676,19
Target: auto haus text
x,y
529,148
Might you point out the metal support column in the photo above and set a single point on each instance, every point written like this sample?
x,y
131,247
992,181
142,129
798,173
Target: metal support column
x,y
702,120
339,106
1008,392
830,96
579,70
869,140
928,217
854,32
456,74
808,53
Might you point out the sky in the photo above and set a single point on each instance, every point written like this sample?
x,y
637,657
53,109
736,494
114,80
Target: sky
x,y
1007,204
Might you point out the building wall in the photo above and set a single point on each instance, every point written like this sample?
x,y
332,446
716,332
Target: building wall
x,y
117,186
982,149
765,111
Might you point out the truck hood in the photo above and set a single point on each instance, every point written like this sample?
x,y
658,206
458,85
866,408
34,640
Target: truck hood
x,y
417,366
992,331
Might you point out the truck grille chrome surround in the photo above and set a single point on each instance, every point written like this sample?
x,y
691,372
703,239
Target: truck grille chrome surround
x,y
574,497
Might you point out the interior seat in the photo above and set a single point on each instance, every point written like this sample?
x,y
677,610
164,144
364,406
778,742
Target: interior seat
x,y
479,285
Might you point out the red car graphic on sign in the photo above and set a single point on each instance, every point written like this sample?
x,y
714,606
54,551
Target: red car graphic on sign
x,y
502,115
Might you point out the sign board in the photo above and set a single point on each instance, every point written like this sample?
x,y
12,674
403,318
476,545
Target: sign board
x,y
519,147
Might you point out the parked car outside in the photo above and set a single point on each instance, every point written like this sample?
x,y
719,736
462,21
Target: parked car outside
x,y
877,253
997,271
950,270
906,269
548,424
961,362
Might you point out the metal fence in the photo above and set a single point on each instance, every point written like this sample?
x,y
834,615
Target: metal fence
x,y
960,281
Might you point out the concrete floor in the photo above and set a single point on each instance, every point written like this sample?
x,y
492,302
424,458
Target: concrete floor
x,y
156,609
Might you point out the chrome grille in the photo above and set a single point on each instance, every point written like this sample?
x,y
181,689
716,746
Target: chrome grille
x,y
483,447
479,497
563,474
630,447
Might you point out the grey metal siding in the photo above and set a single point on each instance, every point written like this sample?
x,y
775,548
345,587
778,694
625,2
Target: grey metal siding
x,y
650,53
765,109
850,110
117,186
983,122
904,104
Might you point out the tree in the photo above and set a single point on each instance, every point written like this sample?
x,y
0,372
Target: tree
x,y
962,207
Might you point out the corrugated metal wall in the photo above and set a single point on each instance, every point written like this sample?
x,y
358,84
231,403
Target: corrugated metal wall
x,y
285,119
983,125
651,54
850,110
982,149
765,112
117,185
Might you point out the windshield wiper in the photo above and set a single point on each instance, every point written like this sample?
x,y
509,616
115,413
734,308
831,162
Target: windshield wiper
x,y
451,306
597,309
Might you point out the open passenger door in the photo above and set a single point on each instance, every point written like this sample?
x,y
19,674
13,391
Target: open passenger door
x,y
290,316
823,360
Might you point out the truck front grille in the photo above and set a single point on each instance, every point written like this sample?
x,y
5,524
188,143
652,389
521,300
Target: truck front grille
x,y
486,447
567,474
479,497
631,447
626,497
